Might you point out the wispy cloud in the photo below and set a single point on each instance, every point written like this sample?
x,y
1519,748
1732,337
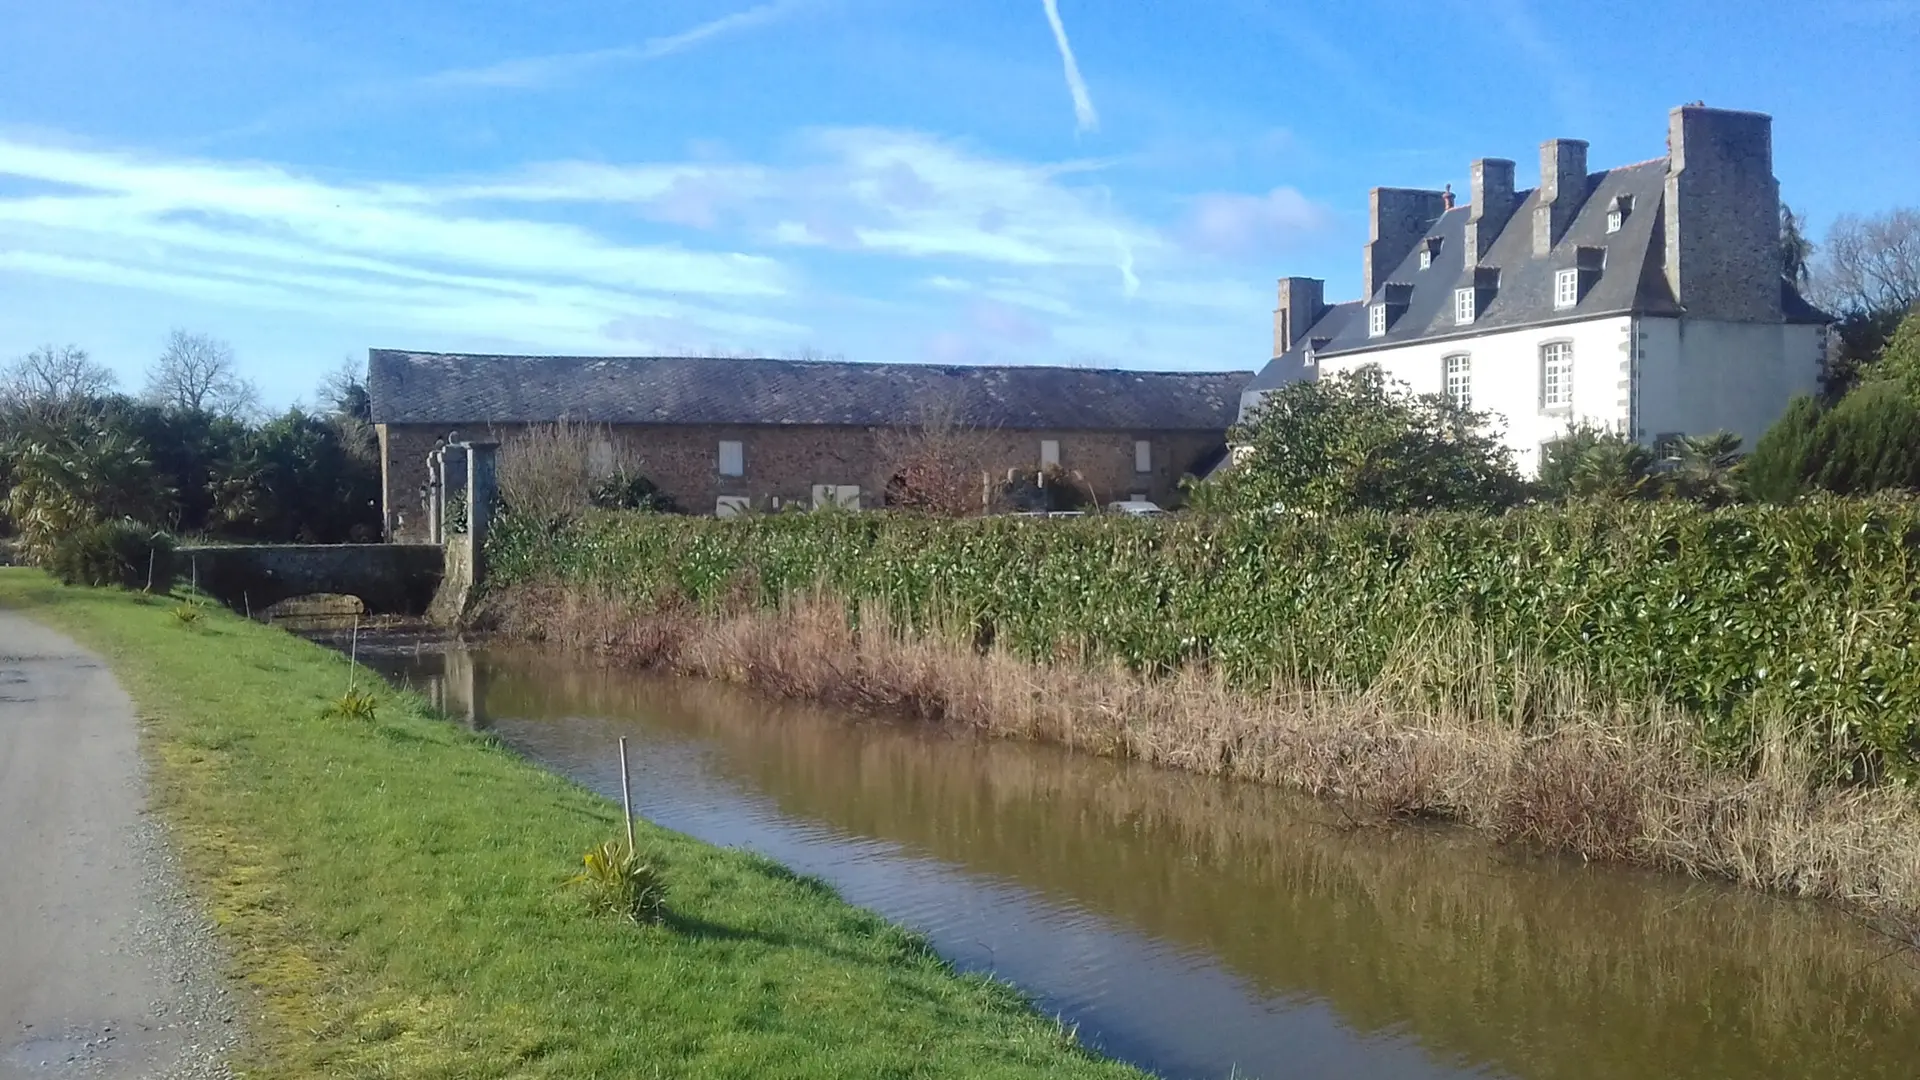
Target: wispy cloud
x,y
1237,225
1083,114
263,237
1017,259
536,71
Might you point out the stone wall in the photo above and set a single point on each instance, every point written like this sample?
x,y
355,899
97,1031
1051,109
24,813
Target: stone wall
x,y
397,579
1722,224
786,463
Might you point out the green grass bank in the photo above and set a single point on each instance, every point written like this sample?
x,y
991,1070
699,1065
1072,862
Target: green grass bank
x,y
393,892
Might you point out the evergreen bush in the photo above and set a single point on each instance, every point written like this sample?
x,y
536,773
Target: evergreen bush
x,y
124,553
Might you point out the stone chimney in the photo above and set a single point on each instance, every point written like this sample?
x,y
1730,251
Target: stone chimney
x,y
1493,205
1722,214
1399,218
1563,188
1302,302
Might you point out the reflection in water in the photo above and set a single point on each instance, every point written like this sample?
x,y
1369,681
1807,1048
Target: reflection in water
x,y
1195,926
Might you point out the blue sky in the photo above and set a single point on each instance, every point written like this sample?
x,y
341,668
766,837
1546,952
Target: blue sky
x,y
905,180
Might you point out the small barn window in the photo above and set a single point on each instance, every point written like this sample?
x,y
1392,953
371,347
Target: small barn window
x,y
1049,452
733,458
1142,456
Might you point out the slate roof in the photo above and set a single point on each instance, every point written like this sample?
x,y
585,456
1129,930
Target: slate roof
x,y
455,389
1631,284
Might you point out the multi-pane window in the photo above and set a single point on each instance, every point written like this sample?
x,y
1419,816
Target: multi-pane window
x,y
1566,288
1376,320
733,459
1463,306
1556,375
1615,219
1460,380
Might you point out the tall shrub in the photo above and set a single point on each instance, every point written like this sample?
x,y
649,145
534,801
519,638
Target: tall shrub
x,y
1781,465
1355,441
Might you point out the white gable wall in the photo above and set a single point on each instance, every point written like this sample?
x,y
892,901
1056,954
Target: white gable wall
x,y
1506,368
1695,376
1703,375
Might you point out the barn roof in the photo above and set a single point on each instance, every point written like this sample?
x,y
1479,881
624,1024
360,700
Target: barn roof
x,y
455,388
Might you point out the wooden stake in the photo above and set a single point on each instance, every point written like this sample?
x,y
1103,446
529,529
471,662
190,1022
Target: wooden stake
x,y
626,793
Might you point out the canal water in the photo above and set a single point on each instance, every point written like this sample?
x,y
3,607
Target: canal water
x,y
1207,929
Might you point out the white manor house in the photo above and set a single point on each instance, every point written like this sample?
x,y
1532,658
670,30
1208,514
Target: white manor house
x,y
1647,299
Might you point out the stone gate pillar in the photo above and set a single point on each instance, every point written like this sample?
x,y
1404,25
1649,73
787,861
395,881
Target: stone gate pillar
x,y
482,489
436,499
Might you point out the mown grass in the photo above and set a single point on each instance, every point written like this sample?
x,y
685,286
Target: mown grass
x,y
393,890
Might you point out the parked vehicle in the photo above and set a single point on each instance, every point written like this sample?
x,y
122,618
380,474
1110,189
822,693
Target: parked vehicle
x,y
1136,507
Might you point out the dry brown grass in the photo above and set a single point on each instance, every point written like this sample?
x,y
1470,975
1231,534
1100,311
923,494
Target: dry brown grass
x,y
1549,763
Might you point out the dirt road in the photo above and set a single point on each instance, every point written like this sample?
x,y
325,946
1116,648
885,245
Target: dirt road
x,y
106,967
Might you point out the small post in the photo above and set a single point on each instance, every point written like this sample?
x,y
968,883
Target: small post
x,y
626,793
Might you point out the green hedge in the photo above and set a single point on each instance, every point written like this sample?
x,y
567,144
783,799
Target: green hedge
x,y
1812,606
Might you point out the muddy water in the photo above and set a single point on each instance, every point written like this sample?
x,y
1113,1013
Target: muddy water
x,y
1197,927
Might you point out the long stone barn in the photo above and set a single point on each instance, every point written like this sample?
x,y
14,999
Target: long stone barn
x,y
722,435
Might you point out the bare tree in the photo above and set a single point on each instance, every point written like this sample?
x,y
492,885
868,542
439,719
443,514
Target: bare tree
x,y
937,465
197,373
53,381
1871,263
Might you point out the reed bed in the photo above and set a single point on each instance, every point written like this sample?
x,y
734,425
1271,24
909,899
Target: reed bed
x,y
1524,751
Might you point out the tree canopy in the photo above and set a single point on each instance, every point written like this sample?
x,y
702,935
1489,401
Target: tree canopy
x,y
1355,441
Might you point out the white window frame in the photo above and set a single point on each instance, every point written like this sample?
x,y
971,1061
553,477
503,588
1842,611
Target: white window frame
x,y
1142,456
733,457
1616,218
842,496
1377,320
1049,453
1456,370
1566,288
1426,258
1465,301
1556,375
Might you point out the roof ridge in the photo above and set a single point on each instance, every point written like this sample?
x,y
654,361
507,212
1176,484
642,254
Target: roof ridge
x,y
918,366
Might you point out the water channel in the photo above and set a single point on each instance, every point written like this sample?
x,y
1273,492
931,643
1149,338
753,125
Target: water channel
x,y
1207,929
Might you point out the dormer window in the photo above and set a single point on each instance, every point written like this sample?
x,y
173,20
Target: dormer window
x,y
1377,320
1617,213
1464,304
1429,251
1566,288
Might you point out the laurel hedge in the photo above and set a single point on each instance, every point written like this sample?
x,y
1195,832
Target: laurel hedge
x,y
1810,610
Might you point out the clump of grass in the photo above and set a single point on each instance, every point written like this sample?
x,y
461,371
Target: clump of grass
x,y
615,880
186,614
354,704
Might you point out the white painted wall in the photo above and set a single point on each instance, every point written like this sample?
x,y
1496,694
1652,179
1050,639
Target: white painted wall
x,y
1701,375
1506,377
1695,376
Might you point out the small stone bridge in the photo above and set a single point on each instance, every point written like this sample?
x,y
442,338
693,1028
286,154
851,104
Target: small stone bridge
x,y
434,579
390,579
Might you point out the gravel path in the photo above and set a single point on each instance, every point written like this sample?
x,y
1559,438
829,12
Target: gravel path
x,y
108,969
